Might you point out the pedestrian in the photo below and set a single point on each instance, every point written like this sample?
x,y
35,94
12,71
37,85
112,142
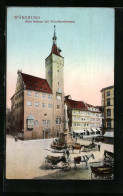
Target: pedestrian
x,y
16,139
99,147
67,153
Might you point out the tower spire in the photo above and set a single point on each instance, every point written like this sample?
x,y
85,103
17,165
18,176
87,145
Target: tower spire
x,y
55,49
54,37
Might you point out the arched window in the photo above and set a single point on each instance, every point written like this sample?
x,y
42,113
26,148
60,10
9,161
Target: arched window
x,y
56,120
59,120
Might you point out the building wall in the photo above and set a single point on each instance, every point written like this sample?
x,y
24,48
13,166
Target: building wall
x,y
39,113
95,119
80,119
108,106
17,113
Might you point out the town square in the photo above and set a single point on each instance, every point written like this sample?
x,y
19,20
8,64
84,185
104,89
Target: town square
x,y
21,167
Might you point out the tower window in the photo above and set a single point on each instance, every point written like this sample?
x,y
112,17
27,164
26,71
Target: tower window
x,y
48,122
44,122
58,120
58,83
58,106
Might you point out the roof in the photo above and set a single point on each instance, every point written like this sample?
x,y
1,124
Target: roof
x,y
107,88
35,83
76,104
109,134
55,50
89,105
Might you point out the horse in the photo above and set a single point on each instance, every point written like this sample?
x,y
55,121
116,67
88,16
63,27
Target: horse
x,y
77,148
91,146
84,159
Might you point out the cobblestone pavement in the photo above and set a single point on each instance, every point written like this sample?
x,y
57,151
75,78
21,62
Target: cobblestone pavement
x,y
24,160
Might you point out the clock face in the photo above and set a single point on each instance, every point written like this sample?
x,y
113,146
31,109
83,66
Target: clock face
x,y
58,97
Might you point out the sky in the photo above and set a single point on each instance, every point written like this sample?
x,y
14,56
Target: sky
x,y
87,47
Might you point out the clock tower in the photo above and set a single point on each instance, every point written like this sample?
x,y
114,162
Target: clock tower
x,y
54,71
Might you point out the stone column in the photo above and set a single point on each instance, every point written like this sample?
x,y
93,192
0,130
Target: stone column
x,y
66,116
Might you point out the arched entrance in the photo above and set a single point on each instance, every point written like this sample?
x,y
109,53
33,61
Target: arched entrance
x,y
46,133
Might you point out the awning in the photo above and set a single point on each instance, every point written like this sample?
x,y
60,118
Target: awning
x,y
98,129
78,131
89,130
94,130
109,134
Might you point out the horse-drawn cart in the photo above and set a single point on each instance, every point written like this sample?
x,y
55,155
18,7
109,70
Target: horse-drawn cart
x,y
102,172
57,147
90,147
51,162
105,171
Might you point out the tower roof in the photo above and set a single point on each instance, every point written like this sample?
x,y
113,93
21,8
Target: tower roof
x,y
55,49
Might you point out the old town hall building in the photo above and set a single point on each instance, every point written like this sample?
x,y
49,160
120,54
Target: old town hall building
x,y
37,106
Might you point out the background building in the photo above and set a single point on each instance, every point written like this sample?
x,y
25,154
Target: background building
x,y
108,108
38,104
84,119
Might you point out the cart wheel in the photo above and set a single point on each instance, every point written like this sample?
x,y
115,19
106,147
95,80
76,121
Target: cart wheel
x,y
48,164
